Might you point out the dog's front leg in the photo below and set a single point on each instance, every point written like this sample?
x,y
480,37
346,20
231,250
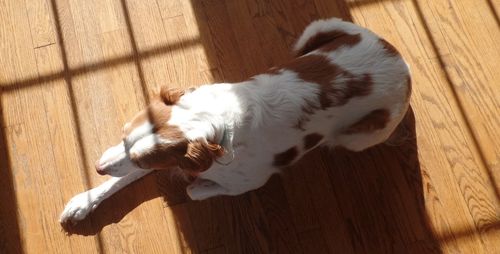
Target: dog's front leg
x,y
82,204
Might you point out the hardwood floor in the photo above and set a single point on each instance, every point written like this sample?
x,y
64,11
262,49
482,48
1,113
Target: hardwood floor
x,y
72,72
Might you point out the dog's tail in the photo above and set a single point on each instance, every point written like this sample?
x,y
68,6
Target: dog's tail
x,y
321,32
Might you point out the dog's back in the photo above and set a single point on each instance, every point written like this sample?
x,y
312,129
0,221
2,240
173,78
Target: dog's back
x,y
345,84
346,87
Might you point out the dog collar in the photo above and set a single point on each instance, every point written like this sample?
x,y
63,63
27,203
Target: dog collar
x,y
227,143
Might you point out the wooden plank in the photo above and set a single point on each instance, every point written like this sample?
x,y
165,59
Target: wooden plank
x,y
460,155
197,27
42,28
435,195
247,37
275,40
170,8
108,16
249,230
10,236
442,129
147,32
61,131
471,68
127,99
18,61
325,206
328,9
184,59
283,234
217,250
32,193
210,224
312,242
227,53
34,167
93,91
300,199
181,229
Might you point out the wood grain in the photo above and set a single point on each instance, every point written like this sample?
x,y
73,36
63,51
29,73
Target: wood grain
x,y
39,16
72,72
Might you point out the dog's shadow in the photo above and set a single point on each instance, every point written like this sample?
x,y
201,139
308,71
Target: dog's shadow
x,y
368,201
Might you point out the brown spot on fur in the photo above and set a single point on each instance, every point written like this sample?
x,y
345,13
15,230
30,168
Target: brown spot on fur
x,y
311,140
391,50
375,120
286,157
347,40
317,69
356,86
320,70
329,41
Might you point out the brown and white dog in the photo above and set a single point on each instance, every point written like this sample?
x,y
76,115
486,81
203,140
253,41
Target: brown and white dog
x,y
346,87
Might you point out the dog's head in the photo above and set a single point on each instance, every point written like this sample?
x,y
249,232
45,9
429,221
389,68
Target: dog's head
x,y
151,141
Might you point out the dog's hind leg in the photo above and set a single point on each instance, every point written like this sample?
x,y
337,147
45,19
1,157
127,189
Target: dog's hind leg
x,y
82,204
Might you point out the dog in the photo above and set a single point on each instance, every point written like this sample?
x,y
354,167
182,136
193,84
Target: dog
x,y
346,87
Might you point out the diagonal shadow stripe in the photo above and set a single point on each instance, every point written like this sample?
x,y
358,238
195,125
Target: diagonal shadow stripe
x,y
463,113
102,65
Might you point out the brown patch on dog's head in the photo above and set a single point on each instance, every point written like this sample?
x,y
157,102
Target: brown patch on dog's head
x,y
391,50
161,156
171,96
375,120
286,157
328,41
191,156
157,113
311,140
200,155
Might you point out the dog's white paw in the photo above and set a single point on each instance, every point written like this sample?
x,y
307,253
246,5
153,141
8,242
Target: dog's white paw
x,y
78,208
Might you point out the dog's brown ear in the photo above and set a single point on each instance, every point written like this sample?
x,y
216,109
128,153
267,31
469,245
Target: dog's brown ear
x,y
170,96
200,155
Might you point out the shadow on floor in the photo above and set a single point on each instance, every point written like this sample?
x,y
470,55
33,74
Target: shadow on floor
x,y
10,238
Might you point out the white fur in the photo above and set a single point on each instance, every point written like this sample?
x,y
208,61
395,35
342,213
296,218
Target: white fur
x,y
322,26
146,144
254,119
137,133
